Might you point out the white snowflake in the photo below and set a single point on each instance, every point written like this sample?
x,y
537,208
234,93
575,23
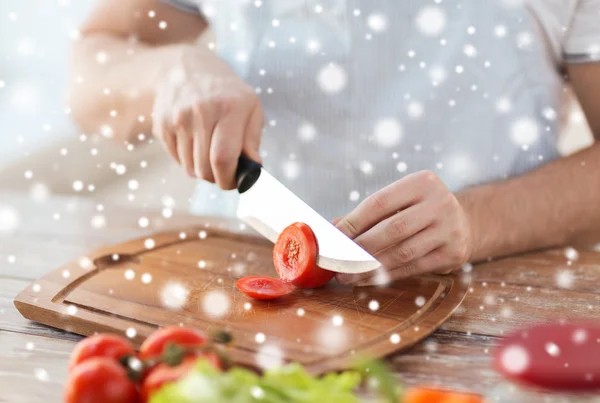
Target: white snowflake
x,y
401,167
395,338
146,278
9,218
332,78
373,305
78,186
260,338
149,243
388,132
420,301
291,169
300,312
307,132
129,274
524,131
503,105
431,20
337,320
101,57
174,296
98,221
515,359
571,253
39,192
41,374
133,184
143,222
415,110
564,279
500,31
580,336
366,167
354,195
216,304
552,349
130,332
269,356
377,22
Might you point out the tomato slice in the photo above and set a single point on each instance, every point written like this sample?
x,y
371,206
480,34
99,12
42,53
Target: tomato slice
x,y
295,257
259,287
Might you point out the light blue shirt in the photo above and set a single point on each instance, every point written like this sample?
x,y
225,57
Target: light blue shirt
x,y
358,93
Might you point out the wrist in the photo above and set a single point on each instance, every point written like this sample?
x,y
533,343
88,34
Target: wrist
x,y
469,202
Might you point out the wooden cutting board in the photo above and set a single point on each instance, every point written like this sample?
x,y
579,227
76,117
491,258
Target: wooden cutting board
x,y
188,278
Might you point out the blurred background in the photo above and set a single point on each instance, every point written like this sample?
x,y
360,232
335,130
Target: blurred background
x,y
43,153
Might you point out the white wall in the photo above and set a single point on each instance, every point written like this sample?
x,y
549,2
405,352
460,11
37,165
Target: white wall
x,y
34,40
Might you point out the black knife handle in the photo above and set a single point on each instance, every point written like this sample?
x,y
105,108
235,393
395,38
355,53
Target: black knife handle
x,y
247,173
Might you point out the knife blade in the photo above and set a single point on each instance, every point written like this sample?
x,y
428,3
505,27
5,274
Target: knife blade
x,y
269,207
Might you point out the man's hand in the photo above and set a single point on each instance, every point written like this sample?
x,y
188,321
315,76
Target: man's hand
x,y
206,116
413,226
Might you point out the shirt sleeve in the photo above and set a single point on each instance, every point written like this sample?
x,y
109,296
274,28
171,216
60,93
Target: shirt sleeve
x,y
189,6
582,42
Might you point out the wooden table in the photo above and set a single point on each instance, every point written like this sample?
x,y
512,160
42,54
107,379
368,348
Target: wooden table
x,y
505,294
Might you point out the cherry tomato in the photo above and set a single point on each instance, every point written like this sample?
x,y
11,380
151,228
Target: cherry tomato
x,y
264,288
101,345
163,374
154,345
100,380
295,257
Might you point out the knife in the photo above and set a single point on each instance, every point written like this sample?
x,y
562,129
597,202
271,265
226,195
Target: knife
x,y
269,207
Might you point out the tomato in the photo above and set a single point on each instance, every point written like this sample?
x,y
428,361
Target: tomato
x,y
163,374
295,257
101,345
425,395
154,345
100,380
264,288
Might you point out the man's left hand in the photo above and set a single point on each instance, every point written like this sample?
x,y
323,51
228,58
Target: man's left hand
x,y
413,226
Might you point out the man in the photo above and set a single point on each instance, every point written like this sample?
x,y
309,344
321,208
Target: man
x,y
442,116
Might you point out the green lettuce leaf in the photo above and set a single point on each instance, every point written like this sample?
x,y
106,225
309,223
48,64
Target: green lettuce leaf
x,y
288,384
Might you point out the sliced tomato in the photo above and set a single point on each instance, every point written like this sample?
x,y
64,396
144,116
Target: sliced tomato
x,y
295,257
265,288
155,344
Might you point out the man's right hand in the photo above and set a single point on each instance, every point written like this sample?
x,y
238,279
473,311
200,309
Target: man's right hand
x,y
206,116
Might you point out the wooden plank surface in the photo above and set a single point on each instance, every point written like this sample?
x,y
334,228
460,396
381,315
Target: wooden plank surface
x,y
506,294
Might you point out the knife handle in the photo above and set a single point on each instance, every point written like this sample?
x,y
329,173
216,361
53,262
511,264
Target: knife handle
x,y
247,173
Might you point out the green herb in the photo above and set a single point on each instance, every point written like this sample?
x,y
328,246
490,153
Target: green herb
x,y
289,384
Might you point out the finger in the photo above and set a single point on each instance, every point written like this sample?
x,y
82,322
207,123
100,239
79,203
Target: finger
x,y
336,220
185,150
204,122
426,264
412,249
393,198
169,140
253,134
226,146
397,228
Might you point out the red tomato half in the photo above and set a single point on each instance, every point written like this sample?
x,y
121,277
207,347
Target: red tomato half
x,y
295,258
101,345
163,374
265,288
100,380
154,345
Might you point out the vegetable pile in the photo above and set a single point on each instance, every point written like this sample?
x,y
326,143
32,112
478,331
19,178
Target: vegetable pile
x,y
295,258
182,365
106,369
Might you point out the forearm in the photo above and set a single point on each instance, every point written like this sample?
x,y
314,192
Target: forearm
x,y
124,83
553,205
